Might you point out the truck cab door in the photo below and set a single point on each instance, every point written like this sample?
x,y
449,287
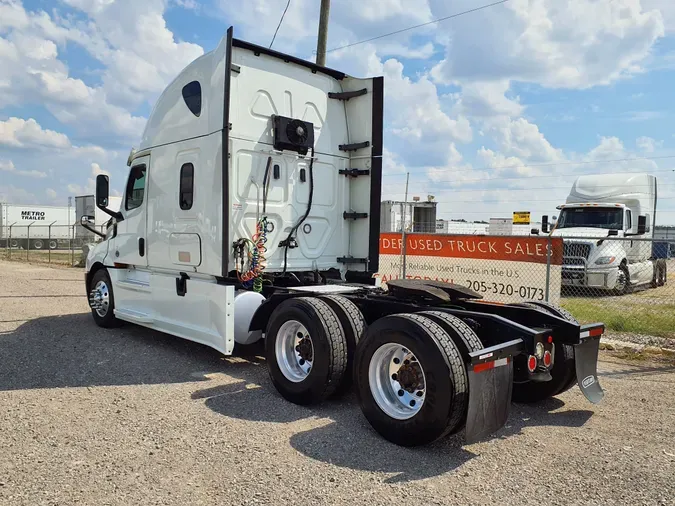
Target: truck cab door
x,y
129,245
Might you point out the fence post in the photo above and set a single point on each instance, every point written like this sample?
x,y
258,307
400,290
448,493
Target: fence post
x,y
548,267
28,240
49,243
9,244
72,251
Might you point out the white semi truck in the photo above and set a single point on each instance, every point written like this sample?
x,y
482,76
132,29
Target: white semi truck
x,y
252,211
607,226
35,226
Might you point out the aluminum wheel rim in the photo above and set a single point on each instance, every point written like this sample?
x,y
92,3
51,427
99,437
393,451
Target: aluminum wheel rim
x,y
101,298
394,394
294,351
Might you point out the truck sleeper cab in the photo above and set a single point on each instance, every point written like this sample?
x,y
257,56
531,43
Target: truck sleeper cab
x,y
607,228
251,211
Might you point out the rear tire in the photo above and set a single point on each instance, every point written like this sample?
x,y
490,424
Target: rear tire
x,y
306,350
563,372
435,368
354,325
662,268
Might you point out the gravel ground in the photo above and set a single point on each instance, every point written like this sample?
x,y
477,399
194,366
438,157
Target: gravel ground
x,y
130,416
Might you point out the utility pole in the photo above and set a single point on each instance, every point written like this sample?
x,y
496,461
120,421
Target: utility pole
x,y
323,33
403,228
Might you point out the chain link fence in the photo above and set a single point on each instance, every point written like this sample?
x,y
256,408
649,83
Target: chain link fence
x,y
49,244
620,281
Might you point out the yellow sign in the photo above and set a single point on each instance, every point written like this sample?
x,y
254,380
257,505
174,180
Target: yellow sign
x,y
521,218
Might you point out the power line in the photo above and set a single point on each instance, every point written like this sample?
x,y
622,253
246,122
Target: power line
x,y
279,25
555,164
539,177
474,201
418,26
487,190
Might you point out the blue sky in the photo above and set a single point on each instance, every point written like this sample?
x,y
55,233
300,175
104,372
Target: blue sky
x,y
491,112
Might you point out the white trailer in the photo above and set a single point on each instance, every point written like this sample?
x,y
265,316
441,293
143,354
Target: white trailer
x,y
252,211
35,226
607,228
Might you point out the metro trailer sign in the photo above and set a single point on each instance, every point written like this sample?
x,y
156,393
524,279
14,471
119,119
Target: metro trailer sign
x,y
33,215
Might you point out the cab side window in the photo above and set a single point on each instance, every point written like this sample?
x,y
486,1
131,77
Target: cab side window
x,y
135,187
186,190
629,220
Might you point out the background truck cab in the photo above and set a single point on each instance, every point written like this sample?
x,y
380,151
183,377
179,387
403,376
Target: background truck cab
x,y
607,224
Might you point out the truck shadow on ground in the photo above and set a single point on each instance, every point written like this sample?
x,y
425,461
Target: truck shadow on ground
x,y
347,440
70,351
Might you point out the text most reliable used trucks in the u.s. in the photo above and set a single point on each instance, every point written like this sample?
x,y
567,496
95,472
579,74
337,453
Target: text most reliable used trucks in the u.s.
x,y
251,211
607,226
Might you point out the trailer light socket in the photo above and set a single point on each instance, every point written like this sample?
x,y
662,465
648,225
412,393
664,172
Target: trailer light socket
x,y
539,351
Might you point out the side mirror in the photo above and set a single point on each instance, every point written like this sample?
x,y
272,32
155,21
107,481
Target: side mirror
x,y
544,224
642,225
102,190
534,231
86,220
612,232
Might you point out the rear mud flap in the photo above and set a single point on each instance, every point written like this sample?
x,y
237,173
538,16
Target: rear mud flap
x,y
586,359
490,386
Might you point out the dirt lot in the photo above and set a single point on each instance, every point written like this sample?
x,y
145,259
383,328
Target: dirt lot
x,y
134,417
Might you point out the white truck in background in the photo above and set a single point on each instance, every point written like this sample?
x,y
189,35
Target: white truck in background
x,y
607,226
35,226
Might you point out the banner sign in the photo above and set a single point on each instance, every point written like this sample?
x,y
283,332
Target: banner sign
x,y
501,268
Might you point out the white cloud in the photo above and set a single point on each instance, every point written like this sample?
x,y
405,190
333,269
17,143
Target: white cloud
x,y
20,133
8,166
51,193
647,144
556,44
89,188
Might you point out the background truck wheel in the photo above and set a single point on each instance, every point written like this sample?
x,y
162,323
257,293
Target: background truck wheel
x,y
563,372
36,244
306,350
411,380
661,272
354,325
623,281
102,300
53,244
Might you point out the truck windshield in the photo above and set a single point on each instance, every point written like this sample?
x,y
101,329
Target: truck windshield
x,y
596,217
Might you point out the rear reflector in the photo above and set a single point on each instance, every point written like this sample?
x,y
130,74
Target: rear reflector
x,y
592,333
485,366
532,363
547,358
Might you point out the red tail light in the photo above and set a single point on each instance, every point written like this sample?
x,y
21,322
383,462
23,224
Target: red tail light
x,y
532,363
547,358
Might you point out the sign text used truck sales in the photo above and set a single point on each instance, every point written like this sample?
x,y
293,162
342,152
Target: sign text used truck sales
x,y
501,268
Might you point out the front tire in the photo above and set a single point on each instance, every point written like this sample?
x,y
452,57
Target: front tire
x,y
306,350
410,380
102,300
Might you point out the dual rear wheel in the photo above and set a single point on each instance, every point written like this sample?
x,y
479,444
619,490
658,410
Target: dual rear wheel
x,y
408,369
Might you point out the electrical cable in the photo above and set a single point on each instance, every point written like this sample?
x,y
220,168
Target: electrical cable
x,y
287,242
418,26
279,25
